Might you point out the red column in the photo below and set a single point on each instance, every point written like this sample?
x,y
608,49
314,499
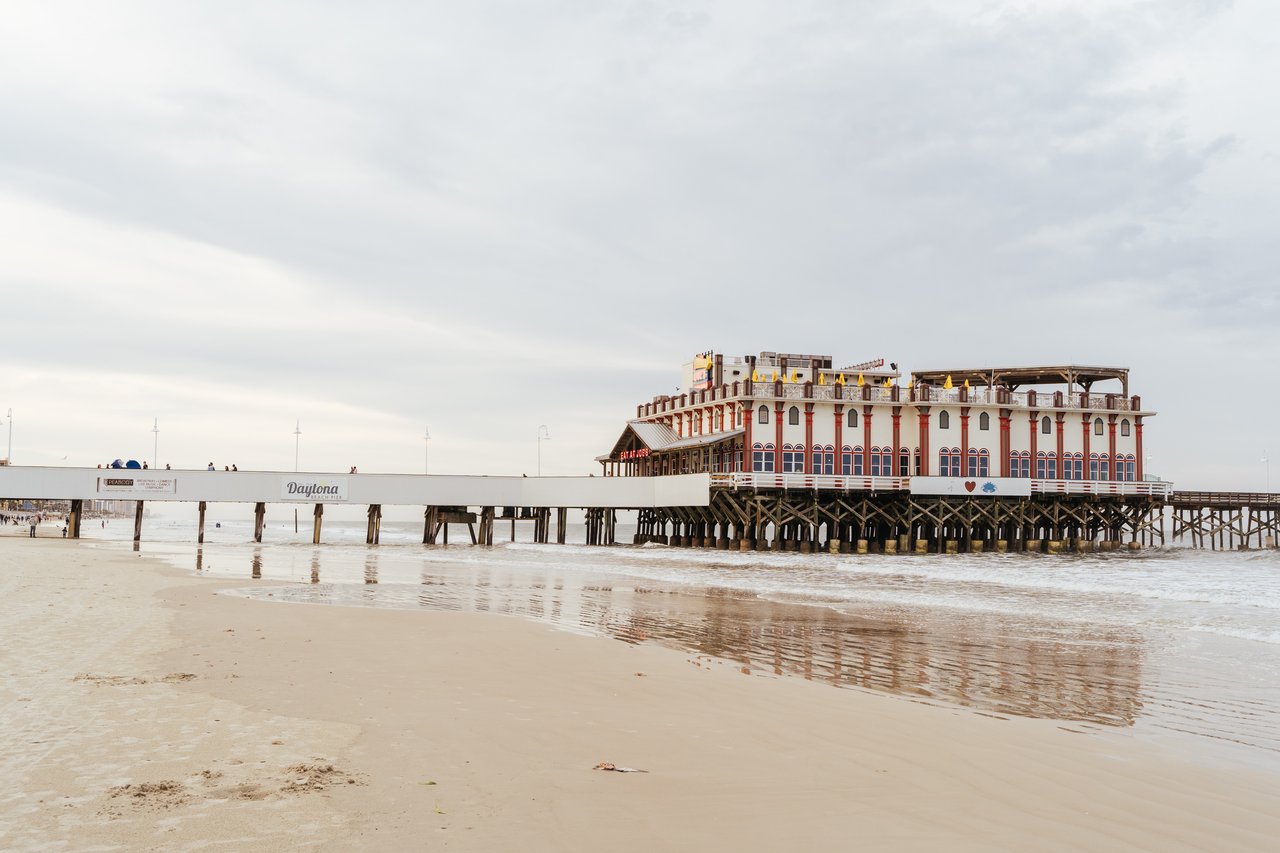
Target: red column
x,y
748,416
1062,421
1004,442
1111,442
1084,423
924,441
777,450
1034,433
1137,425
866,440
808,438
897,440
964,441
839,433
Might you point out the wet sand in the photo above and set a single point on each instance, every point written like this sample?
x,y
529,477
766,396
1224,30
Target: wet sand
x,y
140,709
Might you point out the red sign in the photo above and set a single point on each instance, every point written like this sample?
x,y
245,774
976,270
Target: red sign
x,y
634,454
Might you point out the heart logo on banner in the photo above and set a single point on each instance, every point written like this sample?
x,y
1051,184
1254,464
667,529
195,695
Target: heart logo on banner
x,y
970,485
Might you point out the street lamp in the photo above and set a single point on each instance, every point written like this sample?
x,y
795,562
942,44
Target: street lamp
x,y
155,447
297,439
426,450
1267,461
9,455
544,434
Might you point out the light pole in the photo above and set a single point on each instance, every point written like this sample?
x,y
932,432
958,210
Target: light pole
x,y
9,455
544,434
426,450
1266,460
297,439
155,447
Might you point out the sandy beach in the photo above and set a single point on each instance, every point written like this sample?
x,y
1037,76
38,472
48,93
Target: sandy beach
x,y
141,709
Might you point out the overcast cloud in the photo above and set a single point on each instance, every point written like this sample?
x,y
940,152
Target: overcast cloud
x,y
490,216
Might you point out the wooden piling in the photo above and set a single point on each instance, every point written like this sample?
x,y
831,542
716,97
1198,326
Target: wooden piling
x,y
259,520
73,522
318,514
200,529
137,522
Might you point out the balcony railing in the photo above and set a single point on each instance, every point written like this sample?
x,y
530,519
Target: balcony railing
x,y
834,482
1101,487
921,395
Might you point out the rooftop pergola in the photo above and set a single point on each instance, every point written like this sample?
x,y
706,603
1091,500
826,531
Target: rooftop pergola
x,y
1016,377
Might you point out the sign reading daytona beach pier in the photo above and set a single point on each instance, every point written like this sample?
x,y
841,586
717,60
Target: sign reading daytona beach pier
x,y
313,489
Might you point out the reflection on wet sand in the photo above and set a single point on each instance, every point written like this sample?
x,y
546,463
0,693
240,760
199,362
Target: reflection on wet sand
x,y
1001,666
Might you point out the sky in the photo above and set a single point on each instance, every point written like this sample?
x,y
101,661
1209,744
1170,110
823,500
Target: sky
x,y
365,220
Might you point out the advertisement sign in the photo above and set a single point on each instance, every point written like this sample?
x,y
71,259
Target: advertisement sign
x,y
144,485
991,487
313,489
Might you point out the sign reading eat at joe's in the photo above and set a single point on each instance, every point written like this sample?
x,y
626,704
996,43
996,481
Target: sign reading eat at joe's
x,y
634,454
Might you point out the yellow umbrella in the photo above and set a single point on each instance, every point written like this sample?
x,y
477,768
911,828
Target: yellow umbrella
x,y
822,379
840,381
861,381
775,376
948,384
755,376
966,383
888,382
795,376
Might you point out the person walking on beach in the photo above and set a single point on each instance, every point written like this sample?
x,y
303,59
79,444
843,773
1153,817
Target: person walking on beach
x,y
33,529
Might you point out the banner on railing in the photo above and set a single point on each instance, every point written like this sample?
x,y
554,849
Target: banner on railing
x,y
313,489
994,487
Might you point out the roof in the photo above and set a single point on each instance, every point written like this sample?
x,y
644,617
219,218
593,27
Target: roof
x,y
1014,377
660,437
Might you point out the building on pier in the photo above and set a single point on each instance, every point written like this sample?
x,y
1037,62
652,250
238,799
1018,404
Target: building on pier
x,y
785,419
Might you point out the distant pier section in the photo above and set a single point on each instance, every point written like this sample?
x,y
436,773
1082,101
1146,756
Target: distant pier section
x,y
447,499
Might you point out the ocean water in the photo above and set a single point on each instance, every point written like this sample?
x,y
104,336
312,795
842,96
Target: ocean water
x,y
1173,644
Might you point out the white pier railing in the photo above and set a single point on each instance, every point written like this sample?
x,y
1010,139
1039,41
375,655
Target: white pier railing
x,y
833,482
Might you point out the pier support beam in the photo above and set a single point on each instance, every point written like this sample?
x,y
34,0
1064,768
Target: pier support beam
x,y
318,514
374,531
259,520
73,521
430,525
562,515
200,528
137,523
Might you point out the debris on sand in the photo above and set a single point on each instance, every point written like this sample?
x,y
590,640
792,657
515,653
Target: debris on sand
x,y
305,778
608,765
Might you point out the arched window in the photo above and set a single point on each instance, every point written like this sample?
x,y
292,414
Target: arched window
x,y
1097,426
762,414
949,460
824,459
979,462
853,417
793,416
1130,468
846,460
944,420
1098,466
762,457
875,462
1046,425
886,461
1047,465
984,421
1073,466
793,458
904,463
1124,426
1020,463
857,460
